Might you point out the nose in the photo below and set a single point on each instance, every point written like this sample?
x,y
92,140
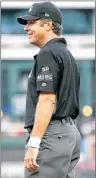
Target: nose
x,y
26,28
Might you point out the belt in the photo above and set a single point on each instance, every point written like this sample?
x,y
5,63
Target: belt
x,y
60,118
67,119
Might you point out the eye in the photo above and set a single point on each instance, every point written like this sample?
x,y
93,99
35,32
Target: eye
x,y
31,22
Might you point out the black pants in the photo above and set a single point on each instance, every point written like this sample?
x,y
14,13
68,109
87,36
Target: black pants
x,y
59,151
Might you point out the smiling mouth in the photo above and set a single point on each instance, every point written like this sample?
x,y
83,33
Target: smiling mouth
x,y
30,35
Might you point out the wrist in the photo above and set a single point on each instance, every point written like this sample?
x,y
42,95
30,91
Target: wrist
x,y
34,142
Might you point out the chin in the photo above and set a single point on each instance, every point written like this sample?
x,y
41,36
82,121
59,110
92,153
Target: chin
x,y
31,41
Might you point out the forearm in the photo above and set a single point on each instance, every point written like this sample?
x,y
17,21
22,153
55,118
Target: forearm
x,y
44,111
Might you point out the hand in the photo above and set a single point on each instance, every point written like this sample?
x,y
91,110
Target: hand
x,y
30,159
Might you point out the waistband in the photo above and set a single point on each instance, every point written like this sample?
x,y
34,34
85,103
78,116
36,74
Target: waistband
x,y
66,119
60,118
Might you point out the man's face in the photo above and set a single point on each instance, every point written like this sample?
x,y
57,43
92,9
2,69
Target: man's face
x,y
36,32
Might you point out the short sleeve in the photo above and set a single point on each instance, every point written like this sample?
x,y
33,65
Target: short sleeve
x,y
47,72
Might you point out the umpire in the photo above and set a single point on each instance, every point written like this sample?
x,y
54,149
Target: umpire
x,y
52,103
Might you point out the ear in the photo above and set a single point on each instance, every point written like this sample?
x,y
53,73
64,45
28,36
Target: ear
x,y
48,25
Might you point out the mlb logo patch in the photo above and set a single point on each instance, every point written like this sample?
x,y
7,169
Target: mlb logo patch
x,y
30,9
46,15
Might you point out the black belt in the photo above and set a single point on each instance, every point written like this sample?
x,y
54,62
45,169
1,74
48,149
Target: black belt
x,y
60,118
67,119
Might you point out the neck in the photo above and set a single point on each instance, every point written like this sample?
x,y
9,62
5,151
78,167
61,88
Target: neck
x,y
46,39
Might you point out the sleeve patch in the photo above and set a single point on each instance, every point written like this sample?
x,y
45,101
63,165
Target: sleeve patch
x,y
44,77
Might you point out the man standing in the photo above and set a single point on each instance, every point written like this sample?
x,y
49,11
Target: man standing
x,y
52,103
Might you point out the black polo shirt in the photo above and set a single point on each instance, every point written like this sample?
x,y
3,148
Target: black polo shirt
x,y
55,71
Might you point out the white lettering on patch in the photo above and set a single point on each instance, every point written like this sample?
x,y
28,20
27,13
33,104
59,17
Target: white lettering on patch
x,y
40,77
49,77
45,77
45,69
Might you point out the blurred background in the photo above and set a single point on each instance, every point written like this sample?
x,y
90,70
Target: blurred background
x,y
17,61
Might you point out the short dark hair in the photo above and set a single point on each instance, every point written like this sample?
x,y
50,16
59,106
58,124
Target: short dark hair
x,y
57,28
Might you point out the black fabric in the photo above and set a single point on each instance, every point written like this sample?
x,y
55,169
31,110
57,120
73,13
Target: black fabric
x,y
45,10
23,19
55,71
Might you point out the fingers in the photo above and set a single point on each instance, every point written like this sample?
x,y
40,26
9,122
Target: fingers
x,y
35,165
30,159
31,165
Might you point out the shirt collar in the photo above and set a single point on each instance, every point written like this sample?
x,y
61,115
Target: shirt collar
x,y
52,41
56,40
35,56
